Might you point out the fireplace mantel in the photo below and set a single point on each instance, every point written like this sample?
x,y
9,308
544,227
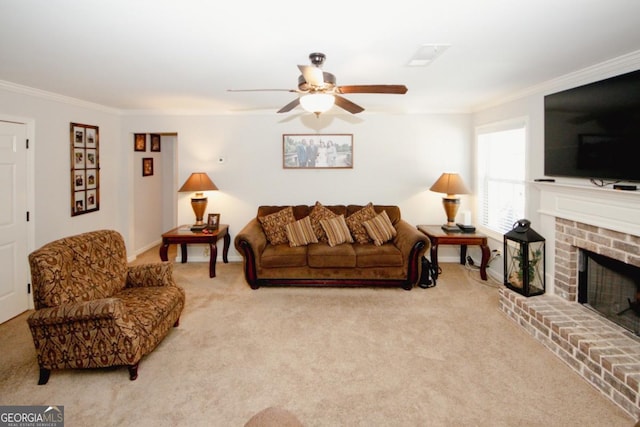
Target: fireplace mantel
x,y
599,207
602,207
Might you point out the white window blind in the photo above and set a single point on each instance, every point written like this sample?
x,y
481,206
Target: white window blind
x,y
501,175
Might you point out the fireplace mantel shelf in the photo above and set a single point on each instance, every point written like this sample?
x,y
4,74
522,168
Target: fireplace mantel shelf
x,y
602,207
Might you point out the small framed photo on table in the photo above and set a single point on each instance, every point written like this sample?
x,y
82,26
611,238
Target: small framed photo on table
x,y
213,221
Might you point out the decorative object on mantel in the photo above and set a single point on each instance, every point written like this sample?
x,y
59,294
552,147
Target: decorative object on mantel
x,y
318,91
198,182
317,151
524,253
85,168
450,184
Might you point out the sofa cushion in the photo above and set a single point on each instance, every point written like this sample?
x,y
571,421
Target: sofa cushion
x,y
370,255
284,256
355,220
337,230
380,228
300,233
318,213
273,225
321,255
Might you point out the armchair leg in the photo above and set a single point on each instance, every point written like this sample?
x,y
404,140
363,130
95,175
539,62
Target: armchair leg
x,y
44,376
133,372
175,325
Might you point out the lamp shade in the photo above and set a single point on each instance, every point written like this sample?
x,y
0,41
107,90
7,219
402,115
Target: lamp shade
x,y
317,102
450,183
198,182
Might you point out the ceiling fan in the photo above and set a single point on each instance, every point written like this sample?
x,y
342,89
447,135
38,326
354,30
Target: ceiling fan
x,y
318,91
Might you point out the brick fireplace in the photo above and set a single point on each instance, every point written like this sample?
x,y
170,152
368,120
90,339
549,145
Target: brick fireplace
x,y
604,222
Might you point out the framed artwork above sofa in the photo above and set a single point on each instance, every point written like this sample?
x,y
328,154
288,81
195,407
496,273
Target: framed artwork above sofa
x,y
317,151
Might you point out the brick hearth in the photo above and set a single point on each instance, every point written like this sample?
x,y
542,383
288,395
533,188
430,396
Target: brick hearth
x,y
603,353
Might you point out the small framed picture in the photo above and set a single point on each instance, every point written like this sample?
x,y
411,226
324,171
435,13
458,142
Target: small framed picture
x,y
140,142
155,142
147,166
91,139
213,221
78,136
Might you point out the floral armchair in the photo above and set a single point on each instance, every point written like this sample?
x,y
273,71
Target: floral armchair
x,y
93,310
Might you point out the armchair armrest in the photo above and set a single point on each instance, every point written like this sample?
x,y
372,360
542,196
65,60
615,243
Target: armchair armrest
x,y
105,308
155,274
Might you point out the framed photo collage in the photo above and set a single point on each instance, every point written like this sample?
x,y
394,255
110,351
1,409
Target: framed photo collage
x,y
85,168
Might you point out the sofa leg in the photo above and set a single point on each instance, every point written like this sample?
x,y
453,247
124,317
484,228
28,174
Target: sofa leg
x,y
133,372
175,325
44,376
407,287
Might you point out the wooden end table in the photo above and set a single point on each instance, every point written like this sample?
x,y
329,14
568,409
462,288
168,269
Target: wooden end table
x,y
183,236
438,236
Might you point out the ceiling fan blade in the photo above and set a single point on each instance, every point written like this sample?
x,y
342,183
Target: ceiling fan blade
x,y
348,105
261,90
290,106
313,75
394,89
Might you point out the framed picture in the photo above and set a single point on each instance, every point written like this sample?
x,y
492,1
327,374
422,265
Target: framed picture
x,y
155,142
140,142
317,151
147,166
213,221
85,168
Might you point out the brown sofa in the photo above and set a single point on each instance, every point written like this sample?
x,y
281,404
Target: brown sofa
x,y
394,263
93,310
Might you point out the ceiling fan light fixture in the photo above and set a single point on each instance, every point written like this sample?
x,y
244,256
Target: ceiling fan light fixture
x,y
317,102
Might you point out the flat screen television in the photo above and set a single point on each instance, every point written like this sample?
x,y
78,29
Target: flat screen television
x,y
593,131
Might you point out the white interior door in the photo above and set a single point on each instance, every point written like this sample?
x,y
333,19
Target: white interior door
x,y
14,298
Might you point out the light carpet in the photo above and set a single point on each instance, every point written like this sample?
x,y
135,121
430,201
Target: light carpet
x,y
444,356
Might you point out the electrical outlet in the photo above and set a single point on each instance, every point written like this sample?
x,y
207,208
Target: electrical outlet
x,y
206,251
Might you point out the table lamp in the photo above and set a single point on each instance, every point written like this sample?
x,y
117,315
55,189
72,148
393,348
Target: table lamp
x,y
198,182
450,184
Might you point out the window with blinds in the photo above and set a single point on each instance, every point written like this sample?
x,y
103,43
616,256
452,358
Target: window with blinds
x,y
501,175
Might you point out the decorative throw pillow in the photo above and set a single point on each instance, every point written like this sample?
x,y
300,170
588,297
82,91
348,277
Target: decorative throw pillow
x,y
273,225
317,214
380,228
355,220
337,230
300,233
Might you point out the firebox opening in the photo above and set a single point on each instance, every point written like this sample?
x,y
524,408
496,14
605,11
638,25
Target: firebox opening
x,y
611,288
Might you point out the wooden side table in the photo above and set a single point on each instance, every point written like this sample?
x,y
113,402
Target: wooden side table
x,y
183,235
438,236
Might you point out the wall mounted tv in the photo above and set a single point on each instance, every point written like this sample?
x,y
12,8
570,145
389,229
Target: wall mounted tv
x,y
593,131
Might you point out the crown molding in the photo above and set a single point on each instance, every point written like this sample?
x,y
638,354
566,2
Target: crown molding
x,y
51,96
613,67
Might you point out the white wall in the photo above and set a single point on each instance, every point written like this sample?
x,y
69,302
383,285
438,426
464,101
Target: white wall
x,y
396,159
51,210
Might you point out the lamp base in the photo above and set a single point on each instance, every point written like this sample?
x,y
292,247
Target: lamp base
x,y
451,228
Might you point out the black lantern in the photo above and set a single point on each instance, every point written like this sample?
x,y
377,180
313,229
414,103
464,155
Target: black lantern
x,y
524,260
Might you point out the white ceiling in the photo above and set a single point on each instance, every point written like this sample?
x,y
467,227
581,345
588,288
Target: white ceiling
x,y
184,54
